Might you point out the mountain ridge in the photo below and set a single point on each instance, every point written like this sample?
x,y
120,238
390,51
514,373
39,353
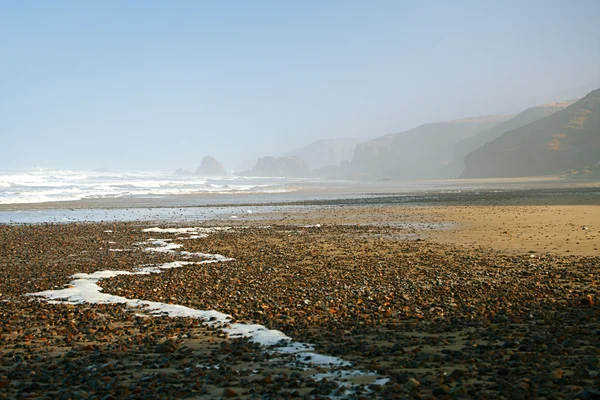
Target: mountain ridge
x,y
419,153
525,117
567,140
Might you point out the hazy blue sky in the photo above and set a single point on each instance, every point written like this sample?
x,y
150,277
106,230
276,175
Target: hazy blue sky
x,y
159,84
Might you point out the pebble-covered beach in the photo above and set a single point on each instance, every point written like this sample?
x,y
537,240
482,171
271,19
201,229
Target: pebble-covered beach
x,y
399,314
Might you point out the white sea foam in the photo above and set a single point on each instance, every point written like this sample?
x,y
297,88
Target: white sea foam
x,y
85,289
200,236
187,230
163,246
166,246
44,185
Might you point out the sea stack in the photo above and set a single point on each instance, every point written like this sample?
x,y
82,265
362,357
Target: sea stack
x,y
211,167
291,167
183,172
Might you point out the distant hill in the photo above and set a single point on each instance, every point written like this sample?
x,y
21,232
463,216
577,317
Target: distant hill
x,y
564,142
327,152
420,153
291,167
528,116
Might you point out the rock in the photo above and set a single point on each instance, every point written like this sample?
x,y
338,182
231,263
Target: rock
x,y
441,390
557,374
211,167
279,167
455,375
413,384
588,394
587,300
166,347
228,392
183,172
458,391
347,296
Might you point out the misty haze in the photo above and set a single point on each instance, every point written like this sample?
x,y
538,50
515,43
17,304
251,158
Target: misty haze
x,y
300,199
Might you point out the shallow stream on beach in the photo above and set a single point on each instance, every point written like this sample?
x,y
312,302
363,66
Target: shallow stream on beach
x,y
166,214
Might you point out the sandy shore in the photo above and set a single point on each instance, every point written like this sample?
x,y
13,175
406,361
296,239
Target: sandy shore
x,y
558,223
554,229
496,304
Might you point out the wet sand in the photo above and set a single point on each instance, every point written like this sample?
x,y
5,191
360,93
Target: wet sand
x,y
497,305
556,229
525,228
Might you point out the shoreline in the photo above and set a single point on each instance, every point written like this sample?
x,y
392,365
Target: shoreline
x,y
559,221
335,192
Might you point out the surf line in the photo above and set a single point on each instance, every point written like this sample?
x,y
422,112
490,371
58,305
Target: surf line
x,y
84,288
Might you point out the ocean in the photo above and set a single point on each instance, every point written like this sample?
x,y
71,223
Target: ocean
x,y
41,185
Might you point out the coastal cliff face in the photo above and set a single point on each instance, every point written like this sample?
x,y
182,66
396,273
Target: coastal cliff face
x,y
564,142
211,167
421,153
292,167
528,116
327,152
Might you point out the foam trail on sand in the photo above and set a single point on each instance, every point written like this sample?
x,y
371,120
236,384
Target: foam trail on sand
x,y
85,289
196,230
163,246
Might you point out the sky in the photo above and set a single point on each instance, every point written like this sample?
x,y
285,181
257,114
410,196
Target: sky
x,y
157,85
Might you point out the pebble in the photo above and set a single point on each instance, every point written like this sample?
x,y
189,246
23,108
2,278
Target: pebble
x,y
436,320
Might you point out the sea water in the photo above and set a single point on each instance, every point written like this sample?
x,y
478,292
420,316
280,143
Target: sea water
x,y
165,214
40,185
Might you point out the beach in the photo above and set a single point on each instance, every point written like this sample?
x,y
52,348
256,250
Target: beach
x,y
457,295
300,200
